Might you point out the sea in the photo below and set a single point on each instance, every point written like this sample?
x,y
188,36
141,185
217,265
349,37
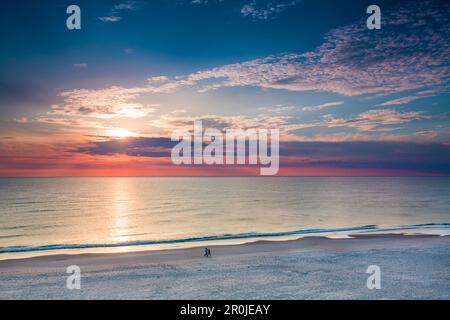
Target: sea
x,y
115,214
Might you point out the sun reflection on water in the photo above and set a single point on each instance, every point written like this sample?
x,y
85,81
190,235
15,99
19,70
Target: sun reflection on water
x,y
122,192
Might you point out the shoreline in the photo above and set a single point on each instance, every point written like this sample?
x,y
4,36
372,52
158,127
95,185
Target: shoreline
x,y
413,267
25,252
307,244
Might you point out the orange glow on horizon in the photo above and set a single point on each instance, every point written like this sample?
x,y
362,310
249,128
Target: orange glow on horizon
x,y
79,165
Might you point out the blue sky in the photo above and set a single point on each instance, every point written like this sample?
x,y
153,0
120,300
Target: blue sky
x,y
310,68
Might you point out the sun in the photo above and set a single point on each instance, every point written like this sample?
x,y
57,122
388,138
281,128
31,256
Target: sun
x,y
120,133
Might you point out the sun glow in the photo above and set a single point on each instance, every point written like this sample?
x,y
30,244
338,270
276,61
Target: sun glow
x,y
120,133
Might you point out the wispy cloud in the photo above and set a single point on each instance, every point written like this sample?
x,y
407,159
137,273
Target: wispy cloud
x,y
322,106
263,9
80,65
66,122
21,120
171,121
372,120
403,100
110,19
129,5
103,103
115,12
419,136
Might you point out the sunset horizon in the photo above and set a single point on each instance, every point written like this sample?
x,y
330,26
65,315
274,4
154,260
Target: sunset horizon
x,y
233,157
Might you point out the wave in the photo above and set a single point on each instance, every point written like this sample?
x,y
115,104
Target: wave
x,y
254,235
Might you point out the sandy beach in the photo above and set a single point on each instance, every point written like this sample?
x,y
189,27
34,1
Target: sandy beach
x,y
412,267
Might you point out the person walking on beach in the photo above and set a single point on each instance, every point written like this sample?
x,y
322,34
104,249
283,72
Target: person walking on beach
x,y
209,252
206,252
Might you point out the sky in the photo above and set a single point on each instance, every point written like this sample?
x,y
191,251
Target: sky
x,y
104,100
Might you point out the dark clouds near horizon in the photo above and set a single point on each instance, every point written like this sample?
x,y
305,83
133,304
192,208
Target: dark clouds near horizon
x,y
433,158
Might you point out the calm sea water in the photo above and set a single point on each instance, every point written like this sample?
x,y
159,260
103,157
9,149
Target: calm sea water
x,y
40,214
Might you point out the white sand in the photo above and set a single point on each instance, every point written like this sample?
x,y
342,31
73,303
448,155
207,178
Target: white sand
x,y
415,267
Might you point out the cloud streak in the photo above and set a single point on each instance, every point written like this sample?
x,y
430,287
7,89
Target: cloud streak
x,y
264,10
115,12
80,65
372,120
403,100
110,19
322,106
171,121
